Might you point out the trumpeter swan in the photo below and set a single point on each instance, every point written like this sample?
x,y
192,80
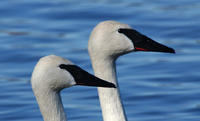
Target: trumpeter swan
x,y
51,74
109,40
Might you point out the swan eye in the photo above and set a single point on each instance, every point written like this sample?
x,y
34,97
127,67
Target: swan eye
x,y
62,66
120,30
74,70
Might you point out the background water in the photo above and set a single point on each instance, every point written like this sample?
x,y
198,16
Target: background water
x,y
154,86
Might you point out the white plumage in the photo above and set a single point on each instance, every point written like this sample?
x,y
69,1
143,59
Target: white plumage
x,y
50,76
108,41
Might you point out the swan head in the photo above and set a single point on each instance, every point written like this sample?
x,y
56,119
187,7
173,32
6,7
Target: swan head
x,y
112,39
55,73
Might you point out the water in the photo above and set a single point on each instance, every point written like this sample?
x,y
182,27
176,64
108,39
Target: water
x,y
154,86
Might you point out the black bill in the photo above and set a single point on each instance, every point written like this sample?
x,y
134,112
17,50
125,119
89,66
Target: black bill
x,y
144,43
82,77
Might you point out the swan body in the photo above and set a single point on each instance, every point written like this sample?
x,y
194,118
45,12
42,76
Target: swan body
x,y
52,74
108,41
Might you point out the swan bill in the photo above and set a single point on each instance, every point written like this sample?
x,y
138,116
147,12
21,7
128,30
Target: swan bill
x,y
144,43
84,78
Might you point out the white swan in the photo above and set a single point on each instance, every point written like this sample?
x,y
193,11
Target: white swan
x,y
107,42
50,76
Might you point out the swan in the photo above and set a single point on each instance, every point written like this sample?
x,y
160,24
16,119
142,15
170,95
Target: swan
x,y
108,41
52,74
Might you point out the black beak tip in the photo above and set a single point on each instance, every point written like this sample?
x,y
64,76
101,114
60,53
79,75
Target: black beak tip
x,y
172,51
113,86
108,85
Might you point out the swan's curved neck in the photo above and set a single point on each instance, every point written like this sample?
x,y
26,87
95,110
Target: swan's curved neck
x,y
112,107
51,106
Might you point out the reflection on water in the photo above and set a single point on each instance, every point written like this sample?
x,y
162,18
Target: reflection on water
x,y
154,86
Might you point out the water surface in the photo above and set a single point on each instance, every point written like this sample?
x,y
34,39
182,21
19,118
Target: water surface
x,y
154,86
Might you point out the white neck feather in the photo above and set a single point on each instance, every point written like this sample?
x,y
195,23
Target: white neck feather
x,y
112,107
50,105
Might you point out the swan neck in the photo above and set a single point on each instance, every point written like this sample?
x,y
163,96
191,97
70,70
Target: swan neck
x,y
111,105
105,69
51,106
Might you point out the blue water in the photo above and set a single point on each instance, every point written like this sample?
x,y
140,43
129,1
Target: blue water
x,y
154,86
